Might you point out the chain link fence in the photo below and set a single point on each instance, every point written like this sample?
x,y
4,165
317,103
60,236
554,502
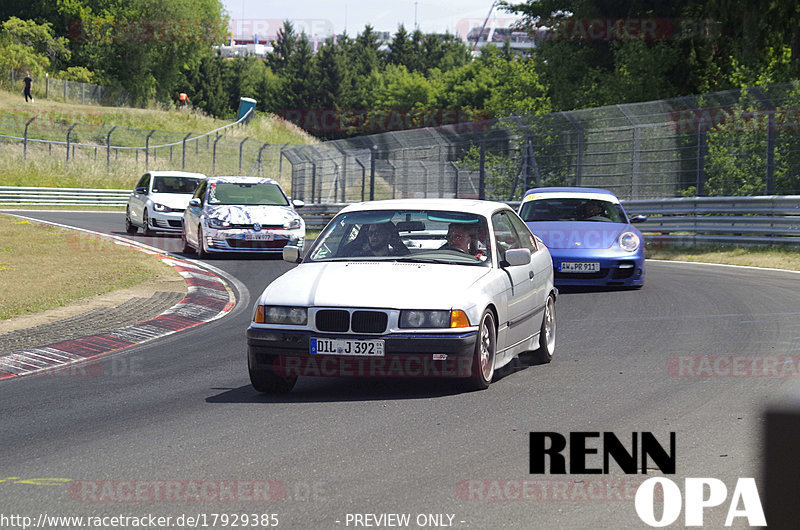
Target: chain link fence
x,y
738,142
67,91
131,151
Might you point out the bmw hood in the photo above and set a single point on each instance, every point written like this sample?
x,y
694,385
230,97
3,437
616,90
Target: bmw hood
x,y
176,201
578,234
243,215
393,285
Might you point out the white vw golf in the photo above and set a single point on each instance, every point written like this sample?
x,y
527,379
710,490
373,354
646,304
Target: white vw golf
x,y
407,288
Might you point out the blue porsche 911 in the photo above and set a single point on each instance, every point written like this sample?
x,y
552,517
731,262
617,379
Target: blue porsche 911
x,y
589,235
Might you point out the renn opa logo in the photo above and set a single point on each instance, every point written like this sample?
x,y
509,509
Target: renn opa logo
x,y
547,455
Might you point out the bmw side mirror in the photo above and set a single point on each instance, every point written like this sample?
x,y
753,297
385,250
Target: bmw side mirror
x,y
638,219
517,256
291,254
194,203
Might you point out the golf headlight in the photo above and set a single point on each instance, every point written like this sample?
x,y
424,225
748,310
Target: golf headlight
x,y
217,223
161,208
293,224
433,319
629,241
277,314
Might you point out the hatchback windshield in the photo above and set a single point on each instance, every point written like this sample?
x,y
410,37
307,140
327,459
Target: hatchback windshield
x,y
572,209
248,194
175,184
405,235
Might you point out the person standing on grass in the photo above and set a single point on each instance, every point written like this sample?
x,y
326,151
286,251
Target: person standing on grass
x,y
28,81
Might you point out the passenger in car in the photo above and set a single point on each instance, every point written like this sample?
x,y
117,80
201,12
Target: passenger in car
x,y
382,239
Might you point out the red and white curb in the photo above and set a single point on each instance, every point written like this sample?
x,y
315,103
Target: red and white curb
x,y
208,298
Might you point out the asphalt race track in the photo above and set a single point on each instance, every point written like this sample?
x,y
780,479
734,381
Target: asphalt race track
x,y
155,428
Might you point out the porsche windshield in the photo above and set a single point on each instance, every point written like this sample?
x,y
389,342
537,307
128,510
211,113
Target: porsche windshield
x,y
572,209
405,235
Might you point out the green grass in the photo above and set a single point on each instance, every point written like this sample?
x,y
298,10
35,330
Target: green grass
x,y
47,165
42,267
769,257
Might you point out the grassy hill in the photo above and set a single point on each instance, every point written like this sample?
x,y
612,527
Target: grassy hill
x,y
46,165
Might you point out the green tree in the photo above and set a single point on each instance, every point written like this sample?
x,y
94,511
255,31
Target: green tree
x,y
26,45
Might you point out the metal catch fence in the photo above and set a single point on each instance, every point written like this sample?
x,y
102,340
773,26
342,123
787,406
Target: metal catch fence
x,y
738,142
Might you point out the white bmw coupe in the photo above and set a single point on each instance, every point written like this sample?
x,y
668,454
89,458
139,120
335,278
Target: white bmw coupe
x,y
407,288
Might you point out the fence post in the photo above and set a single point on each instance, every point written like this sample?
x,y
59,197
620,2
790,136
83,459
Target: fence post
x,y
147,149
280,161
83,95
636,165
12,79
702,147
46,86
482,172
65,90
313,181
770,174
25,142
372,153
214,154
259,157
69,134
183,161
363,177
241,145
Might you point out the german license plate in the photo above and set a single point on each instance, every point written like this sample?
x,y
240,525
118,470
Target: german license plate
x,y
580,266
364,348
266,236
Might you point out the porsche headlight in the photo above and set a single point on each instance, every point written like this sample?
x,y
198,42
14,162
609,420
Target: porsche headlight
x,y
278,314
293,224
217,223
629,241
433,319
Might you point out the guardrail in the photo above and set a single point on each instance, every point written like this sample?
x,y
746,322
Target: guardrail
x,y
40,196
763,220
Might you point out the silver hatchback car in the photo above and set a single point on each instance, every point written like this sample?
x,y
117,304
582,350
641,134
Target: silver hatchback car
x,y
159,200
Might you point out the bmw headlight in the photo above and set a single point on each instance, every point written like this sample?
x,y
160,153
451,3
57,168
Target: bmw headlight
x,y
293,224
433,319
629,241
278,314
217,223
161,208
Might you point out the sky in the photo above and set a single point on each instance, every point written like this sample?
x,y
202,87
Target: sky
x,y
325,18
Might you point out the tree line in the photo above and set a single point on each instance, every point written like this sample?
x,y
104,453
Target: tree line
x,y
589,53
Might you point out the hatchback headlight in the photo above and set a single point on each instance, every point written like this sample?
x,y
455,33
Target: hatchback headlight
x,y
293,224
217,223
161,208
278,314
433,319
629,241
